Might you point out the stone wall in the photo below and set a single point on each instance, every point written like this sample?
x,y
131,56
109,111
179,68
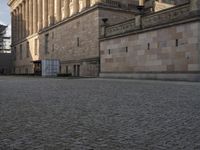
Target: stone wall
x,y
75,42
171,49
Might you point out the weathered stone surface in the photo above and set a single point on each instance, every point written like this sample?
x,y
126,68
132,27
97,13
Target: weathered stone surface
x,y
73,40
173,48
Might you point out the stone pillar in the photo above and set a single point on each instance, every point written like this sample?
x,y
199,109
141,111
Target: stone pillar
x,y
27,17
74,7
51,12
24,18
31,17
35,16
20,22
93,2
45,13
195,5
17,24
40,24
141,2
57,10
83,4
12,23
66,8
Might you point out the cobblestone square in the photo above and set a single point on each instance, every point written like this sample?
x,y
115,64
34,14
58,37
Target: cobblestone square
x,y
98,114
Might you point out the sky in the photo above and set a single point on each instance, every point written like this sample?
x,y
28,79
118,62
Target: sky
x,y
5,15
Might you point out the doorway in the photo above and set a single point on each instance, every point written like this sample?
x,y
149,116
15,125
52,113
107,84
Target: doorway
x,y
76,70
37,67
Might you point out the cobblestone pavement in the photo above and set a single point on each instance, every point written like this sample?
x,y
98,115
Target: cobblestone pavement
x,y
98,114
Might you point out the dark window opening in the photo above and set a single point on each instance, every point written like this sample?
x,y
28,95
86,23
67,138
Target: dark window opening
x,y
126,49
46,43
177,43
148,46
27,50
109,51
20,51
78,41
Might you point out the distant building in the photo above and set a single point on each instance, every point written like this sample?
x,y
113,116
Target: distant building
x,y
6,60
2,33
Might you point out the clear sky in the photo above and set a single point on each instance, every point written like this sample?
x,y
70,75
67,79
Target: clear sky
x,y
5,14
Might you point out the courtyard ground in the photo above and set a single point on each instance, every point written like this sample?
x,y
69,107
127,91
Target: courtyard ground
x,y
98,114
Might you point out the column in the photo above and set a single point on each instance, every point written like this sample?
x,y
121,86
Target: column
x,y
141,2
45,13
24,19
17,24
31,17
93,2
74,7
40,15
20,22
35,16
12,23
66,8
51,12
58,10
27,18
82,5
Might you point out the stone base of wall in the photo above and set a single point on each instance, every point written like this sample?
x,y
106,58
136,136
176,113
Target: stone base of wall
x,y
154,76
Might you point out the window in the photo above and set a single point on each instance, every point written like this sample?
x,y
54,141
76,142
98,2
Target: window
x,y
20,52
46,45
26,71
78,41
15,53
148,46
109,51
27,50
126,49
36,47
67,69
52,35
53,47
177,43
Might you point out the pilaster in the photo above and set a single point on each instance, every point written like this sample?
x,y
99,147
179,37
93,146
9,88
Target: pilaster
x,y
31,17
45,13
51,12
58,10
40,14
35,16
27,17
66,8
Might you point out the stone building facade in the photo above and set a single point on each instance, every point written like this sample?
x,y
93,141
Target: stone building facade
x,y
161,45
67,30
129,38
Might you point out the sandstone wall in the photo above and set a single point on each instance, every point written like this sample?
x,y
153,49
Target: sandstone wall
x,y
75,42
172,49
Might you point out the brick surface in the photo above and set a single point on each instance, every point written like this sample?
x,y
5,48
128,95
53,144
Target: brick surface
x,y
98,114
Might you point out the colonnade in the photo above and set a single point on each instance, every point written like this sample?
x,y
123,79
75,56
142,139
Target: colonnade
x,y
30,16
